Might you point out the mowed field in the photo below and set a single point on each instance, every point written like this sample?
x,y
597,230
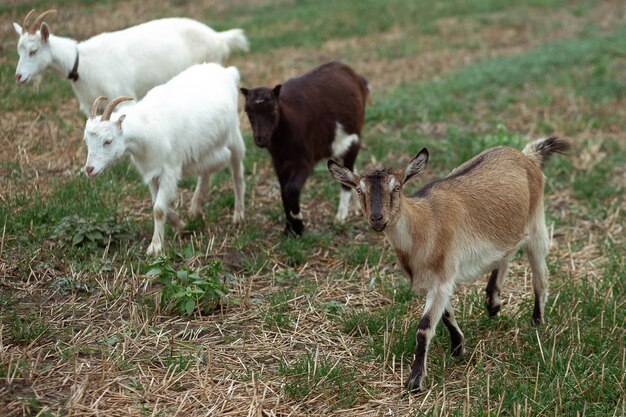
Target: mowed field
x,y
237,321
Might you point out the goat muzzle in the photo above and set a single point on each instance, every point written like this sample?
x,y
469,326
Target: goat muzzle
x,y
261,141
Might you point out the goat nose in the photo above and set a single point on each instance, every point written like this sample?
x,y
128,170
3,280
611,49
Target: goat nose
x,y
376,217
18,77
89,170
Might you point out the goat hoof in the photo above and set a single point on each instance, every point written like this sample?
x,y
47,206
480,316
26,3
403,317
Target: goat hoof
x,y
154,250
493,310
341,217
238,217
414,383
194,212
537,319
458,350
294,228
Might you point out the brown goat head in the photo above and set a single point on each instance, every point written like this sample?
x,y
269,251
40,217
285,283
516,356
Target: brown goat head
x,y
263,111
379,191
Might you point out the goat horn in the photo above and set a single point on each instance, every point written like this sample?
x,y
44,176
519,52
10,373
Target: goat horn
x,y
26,19
40,19
106,115
96,104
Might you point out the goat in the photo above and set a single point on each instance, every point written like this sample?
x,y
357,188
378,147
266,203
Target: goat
x,y
186,127
127,62
456,228
308,118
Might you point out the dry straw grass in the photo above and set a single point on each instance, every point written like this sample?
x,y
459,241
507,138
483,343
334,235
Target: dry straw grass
x,y
109,353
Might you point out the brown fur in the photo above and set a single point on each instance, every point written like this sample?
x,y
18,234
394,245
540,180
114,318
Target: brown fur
x,y
159,214
297,122
456,228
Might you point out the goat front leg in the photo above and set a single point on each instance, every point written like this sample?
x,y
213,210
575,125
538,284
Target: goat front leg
x,y
164,193
290,193
436,301
494,286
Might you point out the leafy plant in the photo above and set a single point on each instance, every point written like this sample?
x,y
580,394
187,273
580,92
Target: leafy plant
x,y
188,289
67,285
78,231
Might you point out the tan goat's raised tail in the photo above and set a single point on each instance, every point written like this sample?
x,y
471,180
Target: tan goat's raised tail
x,y
542,149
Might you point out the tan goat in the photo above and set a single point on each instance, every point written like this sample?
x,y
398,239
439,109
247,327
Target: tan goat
x,y
459,227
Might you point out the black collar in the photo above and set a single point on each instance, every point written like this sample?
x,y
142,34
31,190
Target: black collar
x,y
73,75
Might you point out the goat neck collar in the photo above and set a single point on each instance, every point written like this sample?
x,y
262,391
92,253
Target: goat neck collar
x,y
73,75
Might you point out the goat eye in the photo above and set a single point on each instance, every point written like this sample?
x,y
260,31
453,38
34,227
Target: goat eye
x,y
358,191
108,142
397,189
33,52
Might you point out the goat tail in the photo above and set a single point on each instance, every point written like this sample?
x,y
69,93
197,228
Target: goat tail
x,y
541,150
235,39
367,90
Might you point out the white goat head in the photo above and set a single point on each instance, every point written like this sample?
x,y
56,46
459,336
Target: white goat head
x,y
105,143
33,47
379,190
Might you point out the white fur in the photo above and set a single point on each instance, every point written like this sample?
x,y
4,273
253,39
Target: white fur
x,y
344,205
187,127
127,62
340,145
342,141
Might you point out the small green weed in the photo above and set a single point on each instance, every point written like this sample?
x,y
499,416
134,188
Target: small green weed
x,y
179,363
79,231
187,289
68,285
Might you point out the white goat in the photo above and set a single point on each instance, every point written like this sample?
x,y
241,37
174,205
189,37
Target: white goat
x,y
126,62
186,127
457,228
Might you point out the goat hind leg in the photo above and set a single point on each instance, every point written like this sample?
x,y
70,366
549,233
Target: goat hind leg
x,y
345,195
537,249
456,335
199,196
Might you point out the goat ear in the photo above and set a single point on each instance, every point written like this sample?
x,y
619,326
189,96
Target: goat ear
x,y
244,91
342,174
45,32
119,121
276,90
18,28
417,164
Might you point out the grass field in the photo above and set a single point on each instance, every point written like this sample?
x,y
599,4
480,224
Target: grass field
x,y
242,321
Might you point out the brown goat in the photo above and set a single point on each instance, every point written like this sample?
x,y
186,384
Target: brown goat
x,y
304,120
457,228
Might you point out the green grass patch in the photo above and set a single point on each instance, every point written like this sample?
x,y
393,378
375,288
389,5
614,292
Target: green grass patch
x,y
313,374
498,81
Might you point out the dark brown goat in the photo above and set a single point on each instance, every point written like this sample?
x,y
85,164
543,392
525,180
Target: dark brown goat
x,y
312,117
